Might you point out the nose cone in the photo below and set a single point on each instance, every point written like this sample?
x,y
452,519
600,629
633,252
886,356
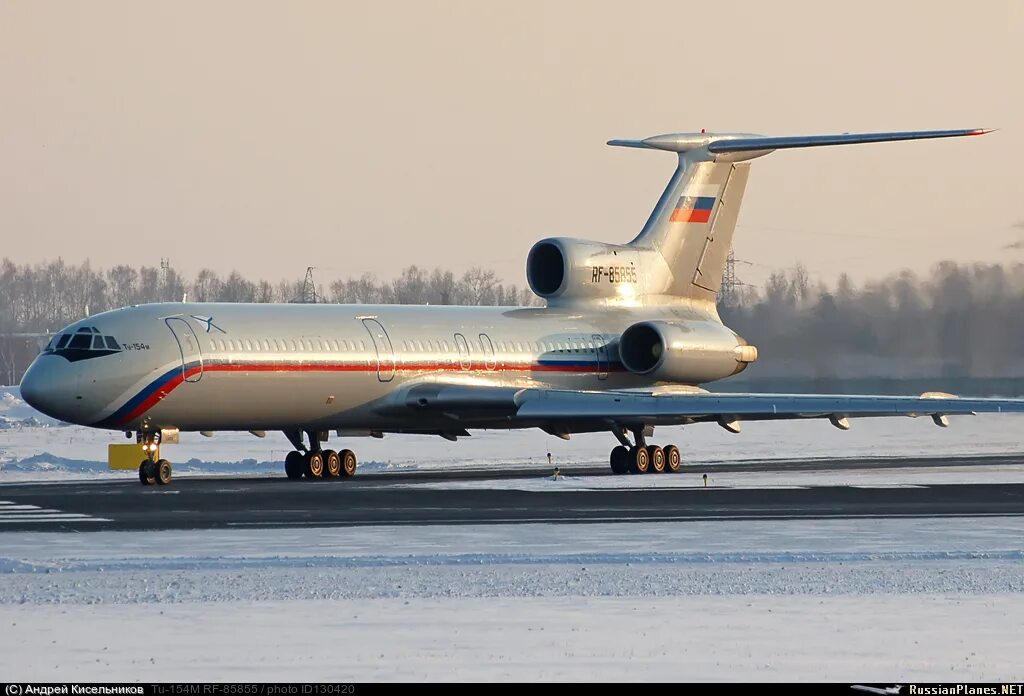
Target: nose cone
x,y
50,386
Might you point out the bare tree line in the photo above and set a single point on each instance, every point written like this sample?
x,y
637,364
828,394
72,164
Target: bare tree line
x,y
48,296
961,320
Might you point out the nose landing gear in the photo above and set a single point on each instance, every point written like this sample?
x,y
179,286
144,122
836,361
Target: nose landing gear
x,y
153,471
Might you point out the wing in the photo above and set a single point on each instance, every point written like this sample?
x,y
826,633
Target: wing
x,y
667,409
582,411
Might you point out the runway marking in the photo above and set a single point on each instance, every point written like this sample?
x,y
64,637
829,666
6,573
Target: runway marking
x,y
887,485
11,513
458,521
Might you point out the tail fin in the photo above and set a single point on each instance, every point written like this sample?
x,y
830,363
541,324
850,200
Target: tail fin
x,y
693,223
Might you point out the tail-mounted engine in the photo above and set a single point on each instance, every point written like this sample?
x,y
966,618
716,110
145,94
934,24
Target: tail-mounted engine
x,y
564,269
691,352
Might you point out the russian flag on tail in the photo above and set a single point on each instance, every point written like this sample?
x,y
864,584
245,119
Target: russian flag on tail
x,y
692,208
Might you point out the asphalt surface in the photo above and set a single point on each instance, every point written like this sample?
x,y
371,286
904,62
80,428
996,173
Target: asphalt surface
x,y
397,498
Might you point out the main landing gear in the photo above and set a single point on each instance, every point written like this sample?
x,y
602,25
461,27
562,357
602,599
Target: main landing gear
x,y
641,458
153,471
313,462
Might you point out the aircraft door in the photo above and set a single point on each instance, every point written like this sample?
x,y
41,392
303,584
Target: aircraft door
x,y
601,350
465,360
188,346
488,350
385,353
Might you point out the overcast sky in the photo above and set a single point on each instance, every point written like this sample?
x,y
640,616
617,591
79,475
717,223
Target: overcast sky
x,y
365,136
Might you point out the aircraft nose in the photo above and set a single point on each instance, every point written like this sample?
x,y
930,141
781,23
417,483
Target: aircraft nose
x,y
49,386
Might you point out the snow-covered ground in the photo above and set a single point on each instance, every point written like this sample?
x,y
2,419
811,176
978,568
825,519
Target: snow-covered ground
x,y
763,638
846,600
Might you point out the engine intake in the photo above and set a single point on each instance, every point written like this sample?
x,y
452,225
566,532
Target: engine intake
x,y
563,269
691,352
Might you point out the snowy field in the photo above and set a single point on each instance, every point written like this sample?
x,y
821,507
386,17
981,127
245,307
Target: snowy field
x,y
846,600
876,600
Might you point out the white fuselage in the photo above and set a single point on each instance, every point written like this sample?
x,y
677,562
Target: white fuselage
x,y
345,367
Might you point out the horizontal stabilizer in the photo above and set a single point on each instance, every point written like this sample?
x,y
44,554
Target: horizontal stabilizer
x,y
792,141
722,143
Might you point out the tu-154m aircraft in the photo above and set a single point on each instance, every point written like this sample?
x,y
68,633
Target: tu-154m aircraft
x,y
628,334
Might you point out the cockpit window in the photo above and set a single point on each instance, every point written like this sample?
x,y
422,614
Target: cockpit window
x,y
81,341
86,342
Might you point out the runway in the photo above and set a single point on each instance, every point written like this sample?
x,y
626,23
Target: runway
x,y
425,498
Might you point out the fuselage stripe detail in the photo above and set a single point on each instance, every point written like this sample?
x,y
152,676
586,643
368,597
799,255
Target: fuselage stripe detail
x,y
162,386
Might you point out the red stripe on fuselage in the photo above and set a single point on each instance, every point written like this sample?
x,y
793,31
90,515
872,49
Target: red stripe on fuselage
x,y
173,383
159,394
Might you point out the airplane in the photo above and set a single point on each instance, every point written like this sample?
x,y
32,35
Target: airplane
x,y
893,690
629,334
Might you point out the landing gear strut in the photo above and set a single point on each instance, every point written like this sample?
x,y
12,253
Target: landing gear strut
x,y
313,462
153,471
640,458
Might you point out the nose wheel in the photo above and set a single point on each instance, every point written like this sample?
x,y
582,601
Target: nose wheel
x,y
158,473
153,471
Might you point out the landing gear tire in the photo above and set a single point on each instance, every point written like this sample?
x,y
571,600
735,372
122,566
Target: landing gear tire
x,y
147,473
314,462
332,464
673,460
657,457
348,463
294,466
640,460
164,471
620,460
